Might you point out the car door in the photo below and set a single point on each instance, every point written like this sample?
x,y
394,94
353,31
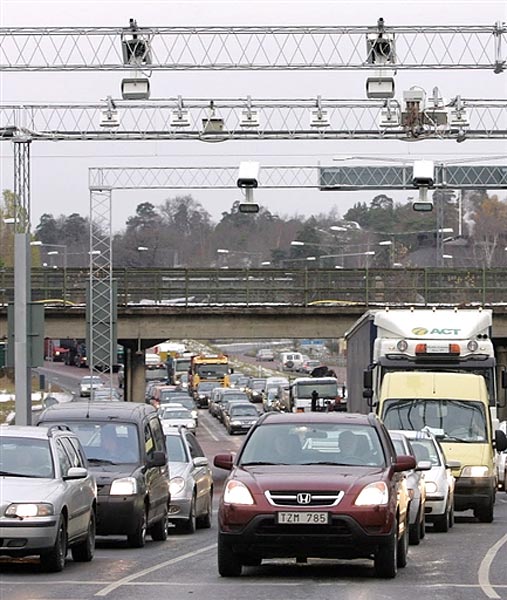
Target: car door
x,y
200,474
157,479
72,492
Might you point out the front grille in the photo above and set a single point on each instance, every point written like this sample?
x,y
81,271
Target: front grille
x,y
303,498
337,526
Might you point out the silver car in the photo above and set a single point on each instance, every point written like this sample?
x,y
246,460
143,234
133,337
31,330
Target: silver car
x,y
90,383
439,479
191,483
501,462
47,496
416,487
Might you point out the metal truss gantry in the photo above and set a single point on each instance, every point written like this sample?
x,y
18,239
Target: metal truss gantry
x,y
252,47
373,177
247,119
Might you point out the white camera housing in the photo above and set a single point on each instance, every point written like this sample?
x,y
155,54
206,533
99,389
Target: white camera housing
x,y
423,174
248,175
380,87
135,88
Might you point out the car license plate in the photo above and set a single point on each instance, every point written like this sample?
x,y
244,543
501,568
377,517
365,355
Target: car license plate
x,y
302,518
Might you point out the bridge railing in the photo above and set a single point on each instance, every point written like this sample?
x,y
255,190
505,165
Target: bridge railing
x,y
214,287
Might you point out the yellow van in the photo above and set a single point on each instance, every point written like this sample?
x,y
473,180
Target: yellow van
x,y
455,407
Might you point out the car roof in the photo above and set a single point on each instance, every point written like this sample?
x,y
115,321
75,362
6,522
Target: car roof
x,y
318,417
413,435
102,411
26,431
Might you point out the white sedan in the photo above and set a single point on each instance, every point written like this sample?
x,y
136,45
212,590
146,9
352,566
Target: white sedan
x,y
88,383
176,415
439,480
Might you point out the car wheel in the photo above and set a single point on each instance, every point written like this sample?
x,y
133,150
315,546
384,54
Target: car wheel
x,y
485,513
229,564
451,516
251,561
204,521
54,560
84,551
414,532
386,559
441,523
158,530
138,538
423,526
403,547
190,525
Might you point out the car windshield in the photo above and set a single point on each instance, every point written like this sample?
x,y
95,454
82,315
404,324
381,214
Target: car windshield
x,y
461,421
176,450
313,443
89,380
25,457
113,443
206,386
258,385
325,390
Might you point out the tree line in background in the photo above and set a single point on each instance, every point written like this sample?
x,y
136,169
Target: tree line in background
x,y
180,233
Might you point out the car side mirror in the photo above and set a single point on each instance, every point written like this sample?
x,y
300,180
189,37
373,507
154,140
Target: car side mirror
x,y
158,459
76,473
200,461
224,461
423,465
404,462
452,464
500,440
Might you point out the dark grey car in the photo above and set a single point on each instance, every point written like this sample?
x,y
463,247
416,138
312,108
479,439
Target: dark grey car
x,y
125,448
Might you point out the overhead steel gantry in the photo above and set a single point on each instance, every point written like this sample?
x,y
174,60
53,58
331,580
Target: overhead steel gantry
x,y
255,119
233,48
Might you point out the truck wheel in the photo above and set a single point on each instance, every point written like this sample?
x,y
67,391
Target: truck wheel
x,y
485,513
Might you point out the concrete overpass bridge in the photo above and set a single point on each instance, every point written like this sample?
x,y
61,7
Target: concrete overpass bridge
x,y
159,304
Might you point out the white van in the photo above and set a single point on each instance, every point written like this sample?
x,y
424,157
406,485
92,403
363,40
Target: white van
x,y
291,361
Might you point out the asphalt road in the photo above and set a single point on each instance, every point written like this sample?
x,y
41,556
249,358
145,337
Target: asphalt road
x,y
468,563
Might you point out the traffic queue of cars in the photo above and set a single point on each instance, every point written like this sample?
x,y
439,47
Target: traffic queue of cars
x,y
303,485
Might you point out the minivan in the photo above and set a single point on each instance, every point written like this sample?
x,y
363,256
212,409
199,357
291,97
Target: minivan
x,y
125,448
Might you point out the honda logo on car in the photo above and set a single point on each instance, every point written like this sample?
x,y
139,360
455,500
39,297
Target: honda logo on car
x,y
424,331
303,498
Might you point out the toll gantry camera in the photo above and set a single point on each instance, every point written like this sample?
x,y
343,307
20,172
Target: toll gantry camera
x,y
423,177
248,179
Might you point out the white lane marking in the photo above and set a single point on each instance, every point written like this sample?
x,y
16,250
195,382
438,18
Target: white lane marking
x,y
208,430
115,585
485,566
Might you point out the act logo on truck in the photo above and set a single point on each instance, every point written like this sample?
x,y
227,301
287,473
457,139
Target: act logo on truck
x,y
424,331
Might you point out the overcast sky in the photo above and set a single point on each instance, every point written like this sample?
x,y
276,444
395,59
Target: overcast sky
x,y
60,170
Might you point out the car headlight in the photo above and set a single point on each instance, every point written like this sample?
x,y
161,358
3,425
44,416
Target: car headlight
x,y
431,487
176,485
237,493
236,423
194,414
25,511
127,486
373,494
475,471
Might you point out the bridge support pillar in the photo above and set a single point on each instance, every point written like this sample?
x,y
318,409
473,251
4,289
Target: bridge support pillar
x,y
138,377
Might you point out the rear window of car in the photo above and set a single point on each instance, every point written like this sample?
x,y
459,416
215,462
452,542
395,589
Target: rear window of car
x,y
25,457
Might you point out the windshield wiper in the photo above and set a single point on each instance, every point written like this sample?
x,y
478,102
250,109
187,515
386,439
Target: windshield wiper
x,y
453,438
102,461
